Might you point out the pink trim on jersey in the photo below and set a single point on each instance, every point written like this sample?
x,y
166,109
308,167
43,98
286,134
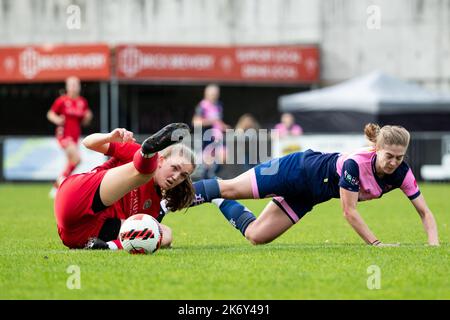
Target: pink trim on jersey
x,y
409,185
255,190
287,208
368,186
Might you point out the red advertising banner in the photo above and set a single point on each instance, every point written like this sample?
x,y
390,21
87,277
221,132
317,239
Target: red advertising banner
x,y
54,63
276,64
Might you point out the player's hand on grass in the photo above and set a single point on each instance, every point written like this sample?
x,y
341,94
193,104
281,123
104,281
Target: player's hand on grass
x,y
121,135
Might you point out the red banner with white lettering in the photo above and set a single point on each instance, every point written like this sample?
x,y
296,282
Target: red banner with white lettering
x,y
54,63
280,64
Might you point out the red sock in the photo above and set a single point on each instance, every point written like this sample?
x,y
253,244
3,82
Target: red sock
x,y
145,165
69,169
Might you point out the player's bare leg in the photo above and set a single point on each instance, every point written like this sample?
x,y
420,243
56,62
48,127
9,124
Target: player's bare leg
x,y
73,158
120,180
237,188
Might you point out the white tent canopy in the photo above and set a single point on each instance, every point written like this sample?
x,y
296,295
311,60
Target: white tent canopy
x,y
375,93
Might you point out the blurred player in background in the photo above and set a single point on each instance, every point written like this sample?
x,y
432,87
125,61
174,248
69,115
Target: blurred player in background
x,y
208,116
288,127
69,112
299,181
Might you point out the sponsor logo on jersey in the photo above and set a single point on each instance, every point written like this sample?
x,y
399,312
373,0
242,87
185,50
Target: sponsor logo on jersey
x,y
147,204
350,179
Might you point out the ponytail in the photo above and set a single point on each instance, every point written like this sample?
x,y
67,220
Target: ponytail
x,y
387,135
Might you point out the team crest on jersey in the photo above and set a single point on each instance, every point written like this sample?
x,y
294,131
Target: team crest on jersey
x,y
350,179
147,204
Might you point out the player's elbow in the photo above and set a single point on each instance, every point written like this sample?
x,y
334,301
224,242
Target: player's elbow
x,y
87,143
49,115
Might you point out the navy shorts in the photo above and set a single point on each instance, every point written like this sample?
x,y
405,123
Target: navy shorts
x,y
284,180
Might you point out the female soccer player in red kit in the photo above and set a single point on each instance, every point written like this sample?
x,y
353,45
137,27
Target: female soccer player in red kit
x,y
90,207
68,113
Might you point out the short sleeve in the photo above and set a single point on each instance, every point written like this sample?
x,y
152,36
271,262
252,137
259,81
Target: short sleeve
x,y
349,179
409,186
123,151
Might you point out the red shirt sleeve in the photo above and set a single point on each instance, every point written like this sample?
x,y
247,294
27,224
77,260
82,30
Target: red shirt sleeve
x,y
58,106
123,151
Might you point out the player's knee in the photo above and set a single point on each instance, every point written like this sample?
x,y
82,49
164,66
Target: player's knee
x,y
256,239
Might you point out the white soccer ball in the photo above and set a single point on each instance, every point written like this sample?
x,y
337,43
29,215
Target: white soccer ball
x,y
140,233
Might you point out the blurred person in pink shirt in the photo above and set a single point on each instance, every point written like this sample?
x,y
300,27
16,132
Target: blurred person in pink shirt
x,y
208,116
288,127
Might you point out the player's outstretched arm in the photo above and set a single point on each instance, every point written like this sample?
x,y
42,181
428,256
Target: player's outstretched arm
x,y
100,141
429,223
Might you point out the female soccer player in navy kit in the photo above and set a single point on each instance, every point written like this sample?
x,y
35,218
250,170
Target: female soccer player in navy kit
x,y
89,207
301,180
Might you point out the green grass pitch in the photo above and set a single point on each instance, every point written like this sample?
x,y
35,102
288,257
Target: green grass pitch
x,y
319,258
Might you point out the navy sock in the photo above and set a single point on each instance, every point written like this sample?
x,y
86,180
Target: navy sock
x,y
205,191
238,215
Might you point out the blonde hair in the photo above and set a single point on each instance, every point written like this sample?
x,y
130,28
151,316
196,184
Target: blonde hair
x,y
183,194
181,150
387,135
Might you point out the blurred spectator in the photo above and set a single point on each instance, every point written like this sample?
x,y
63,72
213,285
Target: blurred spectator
x,y
208,116
247,121
69,112
288,127
209,113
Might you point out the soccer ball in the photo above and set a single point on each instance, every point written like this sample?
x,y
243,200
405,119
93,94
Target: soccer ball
x,y
140,233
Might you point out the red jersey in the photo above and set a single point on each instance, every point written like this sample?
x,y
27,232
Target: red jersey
x,y
74,111
73,204
144,199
